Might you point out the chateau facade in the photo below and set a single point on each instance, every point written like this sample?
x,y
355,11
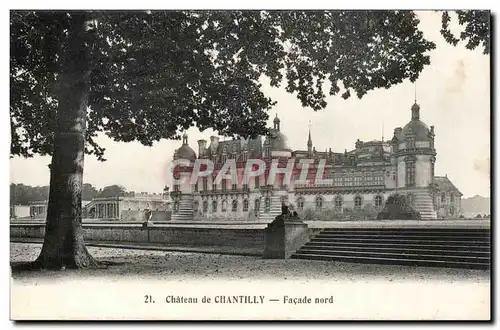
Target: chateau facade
x,y
360,180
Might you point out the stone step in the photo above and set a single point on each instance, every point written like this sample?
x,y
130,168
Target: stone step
x,y
464,248
394,260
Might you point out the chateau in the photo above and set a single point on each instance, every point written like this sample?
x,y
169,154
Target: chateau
x,y
361,179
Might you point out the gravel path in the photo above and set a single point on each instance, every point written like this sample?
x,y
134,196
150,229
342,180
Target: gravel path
x,y
139,285
180,265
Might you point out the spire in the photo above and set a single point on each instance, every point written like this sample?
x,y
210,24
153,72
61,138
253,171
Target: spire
x,y
415,85
185,138
309,140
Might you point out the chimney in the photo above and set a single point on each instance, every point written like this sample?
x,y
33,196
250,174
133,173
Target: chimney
x,y
214,142
398,131
202,146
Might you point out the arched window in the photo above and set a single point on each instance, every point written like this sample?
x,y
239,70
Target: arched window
x,y
378,201
319,202
452,210
245,205
267,204
224,206
300,203
338,203
214,206
257,206
357,202
205,206
235,205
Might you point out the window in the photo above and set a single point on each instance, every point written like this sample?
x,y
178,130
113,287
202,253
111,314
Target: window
x,y
338,181
245,186
205,184
300,203
257,206
452,199
234,186
214,206
338,203
257,182
267,204
235,205
410,174
319,203
214,187
378,201
452,210
410,143
443,197
358,180
357,202
224,185
176,187
245,205
224,206
205,206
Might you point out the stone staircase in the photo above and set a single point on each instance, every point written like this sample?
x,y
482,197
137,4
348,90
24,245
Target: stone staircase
x,y
185,212
274,210
423,203
437,247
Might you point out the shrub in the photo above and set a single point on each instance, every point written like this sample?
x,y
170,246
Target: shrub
x,y
397,208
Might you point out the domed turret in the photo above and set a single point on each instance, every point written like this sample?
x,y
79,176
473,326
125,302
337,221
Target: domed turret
x,y
416,128
278,140
185,151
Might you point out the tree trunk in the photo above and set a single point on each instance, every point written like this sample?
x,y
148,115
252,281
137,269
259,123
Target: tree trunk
x,y
63,245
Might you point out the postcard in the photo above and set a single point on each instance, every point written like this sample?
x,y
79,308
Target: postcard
x,y
250,165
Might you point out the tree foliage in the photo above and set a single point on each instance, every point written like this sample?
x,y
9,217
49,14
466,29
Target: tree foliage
x,y
157,73
21,194
476,29
111,191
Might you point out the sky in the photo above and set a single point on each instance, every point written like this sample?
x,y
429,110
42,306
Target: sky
x,y
453,93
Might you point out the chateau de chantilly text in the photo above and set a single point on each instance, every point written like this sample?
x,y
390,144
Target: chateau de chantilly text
x,y
240,299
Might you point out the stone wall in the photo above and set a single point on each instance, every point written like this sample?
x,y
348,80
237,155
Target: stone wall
x,y
165,235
